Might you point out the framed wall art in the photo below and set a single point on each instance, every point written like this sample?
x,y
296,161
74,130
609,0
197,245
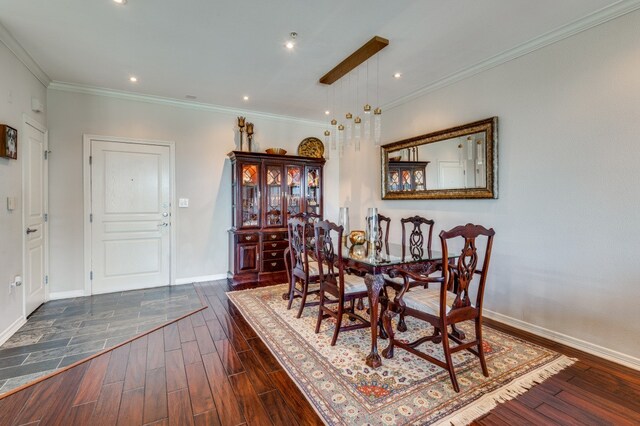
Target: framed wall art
x,y
8,142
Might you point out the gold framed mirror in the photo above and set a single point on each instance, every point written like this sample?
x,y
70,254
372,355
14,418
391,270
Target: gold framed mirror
x,y
456,163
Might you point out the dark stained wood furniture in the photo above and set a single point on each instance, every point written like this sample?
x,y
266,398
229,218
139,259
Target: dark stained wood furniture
x,y
267,190
335,282
407,175
447,305
304,268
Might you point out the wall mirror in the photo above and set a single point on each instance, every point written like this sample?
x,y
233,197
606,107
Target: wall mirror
x,y
461,162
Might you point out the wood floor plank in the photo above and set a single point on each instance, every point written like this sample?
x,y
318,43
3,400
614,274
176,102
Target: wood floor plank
x,y
205,342
276,407
251,405
176,376
79,414
199,388
229,357
191,352
155,350
256,372
131,408
558,416
11,406
295,399
215,329
136,366
180,413
209,418
155,395
171,337
265,356
197,319
226,403
108,405
117,364
594,409
91,385
186,330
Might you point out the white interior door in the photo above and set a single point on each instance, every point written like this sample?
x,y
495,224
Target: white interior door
x,y
35,205
131,219
451,175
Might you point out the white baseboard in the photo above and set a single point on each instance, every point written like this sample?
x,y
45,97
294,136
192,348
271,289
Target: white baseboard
x,y
591,348
190,280
66,294
6,334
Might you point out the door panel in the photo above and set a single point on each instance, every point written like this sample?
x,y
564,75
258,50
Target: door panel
x,y
248,257
35,203
130,187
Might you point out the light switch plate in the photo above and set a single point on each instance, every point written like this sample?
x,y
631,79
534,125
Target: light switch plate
x,y
183,202
11,203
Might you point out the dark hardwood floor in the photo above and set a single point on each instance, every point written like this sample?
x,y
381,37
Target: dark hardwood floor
x,y
210,368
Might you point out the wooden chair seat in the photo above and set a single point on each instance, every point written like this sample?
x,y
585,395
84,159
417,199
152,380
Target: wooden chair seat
x,y
354,284
426,300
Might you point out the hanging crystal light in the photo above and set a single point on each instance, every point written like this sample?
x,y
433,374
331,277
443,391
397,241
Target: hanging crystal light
x,y
341,139
349,128
377,113
357,132
480,152
367,123
327,151
334,133
460,161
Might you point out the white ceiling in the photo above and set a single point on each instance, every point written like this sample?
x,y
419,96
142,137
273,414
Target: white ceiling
x,y
222,50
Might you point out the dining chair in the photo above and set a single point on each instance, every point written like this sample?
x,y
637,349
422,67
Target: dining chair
x,y
383,236
336,286
414,245
303,267
311,219
447,305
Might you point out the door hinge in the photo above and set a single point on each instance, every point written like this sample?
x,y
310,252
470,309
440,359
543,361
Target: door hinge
x,y
91,217
46,279
90,159
91,275
46,217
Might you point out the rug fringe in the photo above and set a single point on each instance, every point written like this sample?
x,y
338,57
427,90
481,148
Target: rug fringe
x,y
515,388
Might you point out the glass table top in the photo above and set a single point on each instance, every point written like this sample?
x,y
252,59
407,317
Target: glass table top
x,y
389,255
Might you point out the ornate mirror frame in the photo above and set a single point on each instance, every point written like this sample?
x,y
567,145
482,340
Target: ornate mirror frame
x,y
490,190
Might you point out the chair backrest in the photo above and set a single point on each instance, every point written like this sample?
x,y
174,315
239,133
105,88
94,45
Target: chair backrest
x,y
299,246
458,277
414,240
383,227
328,237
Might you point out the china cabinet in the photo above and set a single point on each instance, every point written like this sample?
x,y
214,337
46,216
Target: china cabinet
x,y
266,190
407,175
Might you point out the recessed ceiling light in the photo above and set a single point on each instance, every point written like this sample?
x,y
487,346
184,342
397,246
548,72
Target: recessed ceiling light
x,y
120,1
327,112
133,79
246,98
289,45
397,75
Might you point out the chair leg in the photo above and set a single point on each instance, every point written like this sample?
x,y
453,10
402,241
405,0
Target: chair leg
x,y
483,362
292,290
447,356
352,309
320,311
288,270
386,321
305,287
360,305
338,323
402,326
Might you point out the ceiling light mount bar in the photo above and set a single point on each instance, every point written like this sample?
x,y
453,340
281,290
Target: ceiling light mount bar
x,y
367,50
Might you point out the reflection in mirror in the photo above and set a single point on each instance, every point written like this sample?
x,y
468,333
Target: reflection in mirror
x,y
455,163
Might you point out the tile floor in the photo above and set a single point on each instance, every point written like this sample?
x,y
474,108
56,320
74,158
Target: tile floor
x,y
61,332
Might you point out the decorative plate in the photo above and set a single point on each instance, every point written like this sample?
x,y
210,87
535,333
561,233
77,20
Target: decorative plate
x,y
311,147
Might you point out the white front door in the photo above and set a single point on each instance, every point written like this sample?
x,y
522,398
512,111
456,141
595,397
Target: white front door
x,y
35,205
131,219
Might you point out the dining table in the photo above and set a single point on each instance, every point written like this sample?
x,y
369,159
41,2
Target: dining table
x,y
375,260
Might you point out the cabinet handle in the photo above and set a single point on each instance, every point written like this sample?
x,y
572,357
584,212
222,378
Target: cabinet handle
x,y
248,238
274,263
273,254
274,245
273,237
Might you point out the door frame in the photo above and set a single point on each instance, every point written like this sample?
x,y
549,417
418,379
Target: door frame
x,y
86,172
30,121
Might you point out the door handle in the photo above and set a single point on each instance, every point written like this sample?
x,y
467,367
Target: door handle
x,y
29,230
163,224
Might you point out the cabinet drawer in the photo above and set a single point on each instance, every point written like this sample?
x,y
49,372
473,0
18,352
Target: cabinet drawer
x,y
272,265
248,238
273,254
274,245
274,236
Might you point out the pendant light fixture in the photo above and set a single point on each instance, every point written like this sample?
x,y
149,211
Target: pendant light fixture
x,y
377,113
334,122
367,110
357,122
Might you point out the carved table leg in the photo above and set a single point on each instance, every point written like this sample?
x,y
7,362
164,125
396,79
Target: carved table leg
x,y
374,285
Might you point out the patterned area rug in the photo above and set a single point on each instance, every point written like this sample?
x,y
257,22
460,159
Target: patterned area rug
x,y
406,389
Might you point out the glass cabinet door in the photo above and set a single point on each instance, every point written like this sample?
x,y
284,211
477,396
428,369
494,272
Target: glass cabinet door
x,y
418,179
250,195
273,196
294,190
313,190
394,180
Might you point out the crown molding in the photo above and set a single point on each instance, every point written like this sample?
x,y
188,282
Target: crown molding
x,y
159,100
12,44
596,18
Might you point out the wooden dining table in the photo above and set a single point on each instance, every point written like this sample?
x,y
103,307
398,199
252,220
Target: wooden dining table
x,y
374,263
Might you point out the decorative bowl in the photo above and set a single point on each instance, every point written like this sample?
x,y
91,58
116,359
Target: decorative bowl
x,y
398,158
356,237
277,151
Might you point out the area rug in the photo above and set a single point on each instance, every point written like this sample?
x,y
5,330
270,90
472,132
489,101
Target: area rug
x,y
406,389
